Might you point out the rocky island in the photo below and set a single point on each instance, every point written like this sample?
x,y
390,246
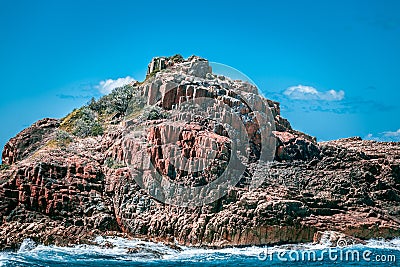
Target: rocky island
x,y
67,181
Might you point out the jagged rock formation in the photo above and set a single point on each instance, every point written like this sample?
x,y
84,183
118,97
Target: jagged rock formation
x,y
28,141
68,191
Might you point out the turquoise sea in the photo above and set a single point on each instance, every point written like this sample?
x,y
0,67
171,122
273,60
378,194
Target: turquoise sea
x,y
123,252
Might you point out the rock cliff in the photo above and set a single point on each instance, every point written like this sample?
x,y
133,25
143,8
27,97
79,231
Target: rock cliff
x,y
91,173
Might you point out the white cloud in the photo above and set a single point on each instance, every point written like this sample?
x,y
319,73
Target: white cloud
x,y
369,136
303,92
105,87
387,136
392,134
372,137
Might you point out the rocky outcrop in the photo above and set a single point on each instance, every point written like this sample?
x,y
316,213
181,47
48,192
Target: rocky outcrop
x,y
58,188
295,146
296,201
308,191
29,141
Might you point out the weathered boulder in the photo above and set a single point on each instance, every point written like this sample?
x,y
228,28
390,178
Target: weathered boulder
x,y
28,141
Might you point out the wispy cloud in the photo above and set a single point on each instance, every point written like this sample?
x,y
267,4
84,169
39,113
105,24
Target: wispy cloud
x,y
309,99
303,92
387,136
106,86
392,134
73,97
353,105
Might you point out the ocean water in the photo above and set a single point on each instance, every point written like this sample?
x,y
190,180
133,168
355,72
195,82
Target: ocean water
x,y
374,253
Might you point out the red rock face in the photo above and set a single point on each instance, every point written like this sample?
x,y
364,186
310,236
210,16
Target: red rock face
x,y
65,191
184,153
67,195
28,141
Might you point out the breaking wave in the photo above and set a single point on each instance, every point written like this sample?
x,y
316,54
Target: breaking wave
x,y
115,251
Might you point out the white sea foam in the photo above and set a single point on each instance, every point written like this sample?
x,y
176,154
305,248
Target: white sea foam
x,y
27,245
393,244
3,258
116,248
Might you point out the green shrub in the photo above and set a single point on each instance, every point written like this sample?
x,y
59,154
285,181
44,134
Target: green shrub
x,y
82,122
115,102
135,106
153,113
68,122
87,124
4,166
122,101
177,58
63,138
90,119
111,163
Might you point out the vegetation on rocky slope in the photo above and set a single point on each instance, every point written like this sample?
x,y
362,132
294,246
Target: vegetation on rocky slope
x,y
61,140
92,119
123,102
4,166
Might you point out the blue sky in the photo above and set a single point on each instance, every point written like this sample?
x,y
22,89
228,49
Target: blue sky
x,y
54,54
